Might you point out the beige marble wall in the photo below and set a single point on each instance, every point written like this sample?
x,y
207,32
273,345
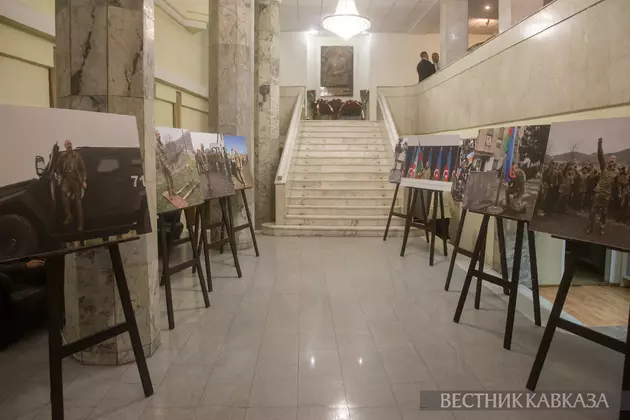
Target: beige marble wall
x,y
572,56
104,63
231,84
267,143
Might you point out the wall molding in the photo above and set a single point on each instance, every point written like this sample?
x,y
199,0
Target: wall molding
x,y
191,25
180,83
30,20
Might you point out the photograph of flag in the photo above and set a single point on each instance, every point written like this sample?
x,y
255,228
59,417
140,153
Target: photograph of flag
x,y
431,161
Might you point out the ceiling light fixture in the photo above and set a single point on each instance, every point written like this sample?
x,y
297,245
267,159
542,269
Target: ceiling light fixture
x,y
487,7
346,22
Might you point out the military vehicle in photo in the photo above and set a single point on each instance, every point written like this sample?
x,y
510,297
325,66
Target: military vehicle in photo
x,y
114,203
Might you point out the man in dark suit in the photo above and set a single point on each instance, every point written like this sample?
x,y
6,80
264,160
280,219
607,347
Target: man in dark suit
x,y
425,68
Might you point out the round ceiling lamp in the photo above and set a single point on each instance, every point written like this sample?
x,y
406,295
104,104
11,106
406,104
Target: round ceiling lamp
x,y
346,22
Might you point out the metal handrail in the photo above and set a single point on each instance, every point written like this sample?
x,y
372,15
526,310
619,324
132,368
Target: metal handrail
x,y
287,152
388,120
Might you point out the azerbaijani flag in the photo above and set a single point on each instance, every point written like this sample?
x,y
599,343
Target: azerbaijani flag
x,y
420,162
438,164
508,148
448,165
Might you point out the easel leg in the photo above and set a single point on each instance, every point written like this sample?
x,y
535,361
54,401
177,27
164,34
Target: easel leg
x,y
130,319
502,253
391,211
556,311
166,275
445,238
516,271
458,237
625,384
473,262
203,246
411,204
224,224
230,232
425,216
482,260
251,224
433,200
192,235
531,239
55,284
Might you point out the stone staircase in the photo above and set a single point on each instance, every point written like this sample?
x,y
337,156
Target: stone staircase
x,y
338,182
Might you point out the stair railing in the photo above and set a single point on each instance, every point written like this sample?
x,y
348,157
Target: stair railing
x,y
287,157
388,120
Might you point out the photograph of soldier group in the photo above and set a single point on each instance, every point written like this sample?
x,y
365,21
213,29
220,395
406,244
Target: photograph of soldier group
x,y
511,177
238,160
212,163
400,153
177,178
585,190
460,177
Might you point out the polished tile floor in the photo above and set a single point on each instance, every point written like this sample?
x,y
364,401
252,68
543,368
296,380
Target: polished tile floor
x,y
317,329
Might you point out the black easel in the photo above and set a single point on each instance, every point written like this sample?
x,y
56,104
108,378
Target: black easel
x,y
227,225
555,321
167,243
458,250
57,351
477,259
249,223
429,226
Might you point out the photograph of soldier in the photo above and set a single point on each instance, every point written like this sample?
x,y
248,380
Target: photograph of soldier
x,y
177,176
430,161
460,177
508,163
69,178
72,177
400,152
238,160
211,158
585,193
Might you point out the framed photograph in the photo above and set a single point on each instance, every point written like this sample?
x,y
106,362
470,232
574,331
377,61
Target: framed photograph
x,y
238,160
430,161
68,176
506,171
212,164
400,154
585,190
178,184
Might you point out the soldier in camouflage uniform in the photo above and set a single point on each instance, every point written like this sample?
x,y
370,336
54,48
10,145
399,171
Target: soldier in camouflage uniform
x,y
161,157
202,159
564,190
73,180
592,183
585,173
603,190
515,191
624,193
543,197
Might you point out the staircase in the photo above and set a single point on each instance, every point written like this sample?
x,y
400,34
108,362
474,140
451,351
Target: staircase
x,y
338,182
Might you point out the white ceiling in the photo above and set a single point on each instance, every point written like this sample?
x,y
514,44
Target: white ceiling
x,y
394,16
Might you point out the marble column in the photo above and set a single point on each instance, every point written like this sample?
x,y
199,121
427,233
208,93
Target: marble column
x,y
512,12
453,30
104,63
231,84
267,137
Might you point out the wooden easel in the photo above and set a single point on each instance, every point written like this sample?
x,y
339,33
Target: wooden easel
x,y
249,223
429,226
477,260
556,321
194,219
226,224
57,350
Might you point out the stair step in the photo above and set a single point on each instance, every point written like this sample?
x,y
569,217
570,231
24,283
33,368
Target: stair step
x,y
336,154
376,147
339,220
317,166
341,201
340,123
340,135
339,161
319,230
341,210
340,141
350,130
342,192
343,183
340,176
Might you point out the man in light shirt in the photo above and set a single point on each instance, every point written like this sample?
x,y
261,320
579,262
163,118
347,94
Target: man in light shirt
x,y
435,57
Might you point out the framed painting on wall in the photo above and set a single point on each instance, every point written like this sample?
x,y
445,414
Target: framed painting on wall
x,y
337,71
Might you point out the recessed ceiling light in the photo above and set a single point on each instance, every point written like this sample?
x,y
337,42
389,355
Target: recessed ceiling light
x,y
312,31
487,7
